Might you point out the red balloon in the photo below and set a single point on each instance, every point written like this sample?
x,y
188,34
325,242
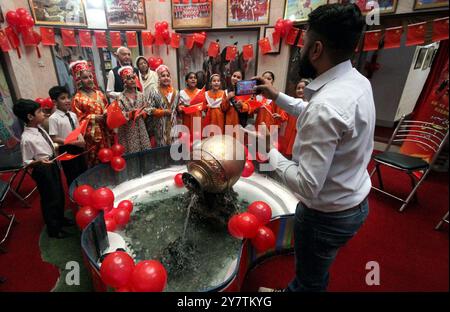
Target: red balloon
x,y
247,224
151,62
260,210
165,34
105,155
158,61
102,197
264,239
164,25
149,275
84,216
12,18
123,289
118,163
158,27
110,213
179,180
111,224
116,269
22,12
233,227
27,21
40,101
118,149
126,204
82,195
122,216
249,168
288,24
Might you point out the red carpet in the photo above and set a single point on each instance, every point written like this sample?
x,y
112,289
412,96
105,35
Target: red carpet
x,y
411,254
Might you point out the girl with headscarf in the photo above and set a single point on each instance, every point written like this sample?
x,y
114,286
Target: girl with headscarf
x,y
214,99
147,77
186,95
90,104
132,135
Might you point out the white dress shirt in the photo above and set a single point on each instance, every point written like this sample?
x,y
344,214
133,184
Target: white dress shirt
x,y
334,140
110,86
59,124
34,146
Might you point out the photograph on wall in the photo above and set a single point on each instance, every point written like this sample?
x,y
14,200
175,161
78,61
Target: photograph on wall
x,y
298,10
197,58
125,14
58,12
248,12
191,14
429,4
386,6
420,58
268,31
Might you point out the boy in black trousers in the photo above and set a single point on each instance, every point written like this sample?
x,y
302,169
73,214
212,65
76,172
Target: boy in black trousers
x,y
38,152
61,123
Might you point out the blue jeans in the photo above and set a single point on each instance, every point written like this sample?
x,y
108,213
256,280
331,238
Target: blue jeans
x,y
318,237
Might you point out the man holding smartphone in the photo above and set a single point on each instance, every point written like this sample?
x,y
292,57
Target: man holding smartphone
x,y
333,145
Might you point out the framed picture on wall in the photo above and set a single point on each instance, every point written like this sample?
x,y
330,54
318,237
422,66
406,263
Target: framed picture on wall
x,y
192,14
298,10
125,14
430,4
386,6
248,12
58,12
268,31
420,58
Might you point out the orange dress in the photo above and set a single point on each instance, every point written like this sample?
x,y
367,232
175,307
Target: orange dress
x,y
186,96
214,114
288,138
97,135
231,114
264,113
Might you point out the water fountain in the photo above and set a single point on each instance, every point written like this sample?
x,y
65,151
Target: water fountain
x,y
167,223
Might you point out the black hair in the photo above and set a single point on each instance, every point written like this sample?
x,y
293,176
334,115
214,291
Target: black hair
x,y
186,78
201,79
339,27
270,73
239,70
23,107
305,80
56,91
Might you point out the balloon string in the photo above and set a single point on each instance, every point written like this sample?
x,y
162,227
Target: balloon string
x,y
38,52
18,53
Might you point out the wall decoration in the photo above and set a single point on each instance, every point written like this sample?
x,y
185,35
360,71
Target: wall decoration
x,y
125,14
429,4
420,58
248,12
58,12
191,15
386,6
298,10
268,31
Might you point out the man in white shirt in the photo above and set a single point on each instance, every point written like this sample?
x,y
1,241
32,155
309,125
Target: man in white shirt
x,y
333,145
115,85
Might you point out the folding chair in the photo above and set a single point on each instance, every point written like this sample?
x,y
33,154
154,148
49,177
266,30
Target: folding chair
x,y
429,136
4,188
444,219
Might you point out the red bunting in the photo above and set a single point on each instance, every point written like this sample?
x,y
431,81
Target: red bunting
x,y
199,38
213,49
175,40
100,39
371,40
116,40
292,35
276,37
247,51
300,42
12,37
48,36
264,45
189,42
416,34
440,29
4,44
231,53
85,38
131,39
147,38
392,37
68,37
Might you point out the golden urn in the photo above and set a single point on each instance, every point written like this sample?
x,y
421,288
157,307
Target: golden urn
x,y
217,164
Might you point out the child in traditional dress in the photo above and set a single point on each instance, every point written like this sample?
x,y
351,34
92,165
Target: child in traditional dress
x,y
214,99
186,95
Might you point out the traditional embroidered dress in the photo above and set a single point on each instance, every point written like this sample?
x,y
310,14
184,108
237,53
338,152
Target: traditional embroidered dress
x,y
214,114
186,96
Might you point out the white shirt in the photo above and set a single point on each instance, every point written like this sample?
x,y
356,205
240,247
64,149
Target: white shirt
x,y
59,124
34,146
334,140
110,86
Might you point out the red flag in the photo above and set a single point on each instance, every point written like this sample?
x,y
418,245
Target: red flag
x,y
48,36
199,97
159,39
131,39
392,37
231,53
12,37
247,51
191,109
254,104
116,40
85,38
28,38
440,29
100,39
213,49
114,116
73,136
371,40
67,156
276,37
292,35
416,34
68,37
189,42
199,38
147,38
4,44
264,45
175,41
300,42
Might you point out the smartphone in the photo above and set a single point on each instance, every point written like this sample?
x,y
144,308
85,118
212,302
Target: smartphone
x,y
245,87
